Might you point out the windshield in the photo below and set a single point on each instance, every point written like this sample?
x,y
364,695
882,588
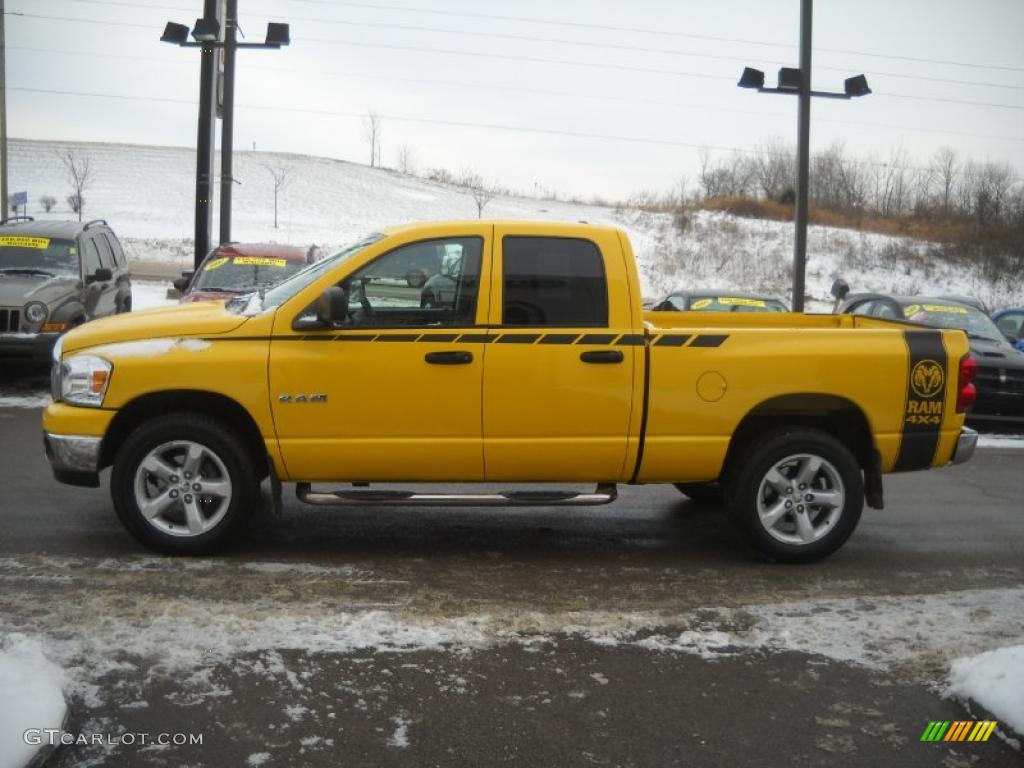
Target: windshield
x,y
281,293
43,255
968,319
734,304
244,273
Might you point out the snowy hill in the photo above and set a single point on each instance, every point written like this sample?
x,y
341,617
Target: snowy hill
x,y
146,194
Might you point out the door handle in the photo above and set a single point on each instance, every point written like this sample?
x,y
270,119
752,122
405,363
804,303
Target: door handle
x,y
601,356
448,358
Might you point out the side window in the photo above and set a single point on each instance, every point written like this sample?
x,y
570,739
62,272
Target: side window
x,y
91,256
864,308
106,254
678,303
553,281
429,283
115,246
887,311
1012,325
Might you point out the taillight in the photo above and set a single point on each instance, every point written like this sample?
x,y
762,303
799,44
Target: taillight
x,y
966,393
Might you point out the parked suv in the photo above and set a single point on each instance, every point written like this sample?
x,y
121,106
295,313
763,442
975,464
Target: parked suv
x,y
55,275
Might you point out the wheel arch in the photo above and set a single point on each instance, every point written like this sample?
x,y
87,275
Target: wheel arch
x,y
838,416
212,404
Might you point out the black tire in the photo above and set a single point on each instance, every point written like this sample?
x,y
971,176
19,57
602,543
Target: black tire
x,y
704,494
786,543
416,278
222,443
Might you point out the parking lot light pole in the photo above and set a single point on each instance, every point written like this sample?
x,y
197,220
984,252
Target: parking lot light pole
x,y
207,35
798,82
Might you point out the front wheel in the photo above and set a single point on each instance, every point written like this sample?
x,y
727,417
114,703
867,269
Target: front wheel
x,y
182,484
797,495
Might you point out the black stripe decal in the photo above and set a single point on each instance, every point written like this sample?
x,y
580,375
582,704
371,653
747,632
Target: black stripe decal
x,y
398,337
518,338
356,337
439,337
630,340
713,340
475,338
671,340
597,338
559,338
925,400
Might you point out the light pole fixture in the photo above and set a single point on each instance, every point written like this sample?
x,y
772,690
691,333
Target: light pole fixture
x,y
210,34
797,82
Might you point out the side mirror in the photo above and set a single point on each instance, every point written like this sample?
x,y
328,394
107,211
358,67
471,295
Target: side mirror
x,y
182,282
101,275
332,308
840,289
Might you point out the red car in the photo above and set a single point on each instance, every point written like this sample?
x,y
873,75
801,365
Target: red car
x,y
240,268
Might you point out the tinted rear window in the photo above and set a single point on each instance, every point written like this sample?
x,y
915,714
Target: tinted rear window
x,y
553,281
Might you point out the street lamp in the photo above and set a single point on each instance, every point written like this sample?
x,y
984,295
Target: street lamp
x,y
206,34
797,82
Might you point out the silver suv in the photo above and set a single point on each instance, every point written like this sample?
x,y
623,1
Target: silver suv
x,y
55,275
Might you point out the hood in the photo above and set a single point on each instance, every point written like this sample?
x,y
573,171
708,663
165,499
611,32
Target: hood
x,y
201,318
208,296
996,354
18,290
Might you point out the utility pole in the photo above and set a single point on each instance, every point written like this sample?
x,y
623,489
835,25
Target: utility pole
x,y
3,112
227,129
803,154
205,142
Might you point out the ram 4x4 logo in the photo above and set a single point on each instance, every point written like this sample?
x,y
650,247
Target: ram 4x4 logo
x,y
312,398
927,378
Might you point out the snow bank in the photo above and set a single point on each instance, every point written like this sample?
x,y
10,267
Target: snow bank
x,y
995,680
32,697
1001,441
147,294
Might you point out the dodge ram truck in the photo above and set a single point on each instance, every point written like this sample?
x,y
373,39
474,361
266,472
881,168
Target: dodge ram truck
x,y
538,366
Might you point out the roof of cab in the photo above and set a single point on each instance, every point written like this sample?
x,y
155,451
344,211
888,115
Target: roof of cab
x,y
543,226
266,250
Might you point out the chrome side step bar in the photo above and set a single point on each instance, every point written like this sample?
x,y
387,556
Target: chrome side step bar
x,y
605,493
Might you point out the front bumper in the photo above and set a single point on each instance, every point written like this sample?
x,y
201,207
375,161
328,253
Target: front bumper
x,y
965,445
75,459
37,347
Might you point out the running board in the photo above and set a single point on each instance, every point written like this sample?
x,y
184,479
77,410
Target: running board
x,y
605,493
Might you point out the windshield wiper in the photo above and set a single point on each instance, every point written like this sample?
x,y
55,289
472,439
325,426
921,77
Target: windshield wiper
x,y
26,271
979,336
214,290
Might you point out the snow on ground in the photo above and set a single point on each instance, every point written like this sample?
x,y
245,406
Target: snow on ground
x,y
33,400
32,697
1001,441
995,680
146,194
918,635
147,294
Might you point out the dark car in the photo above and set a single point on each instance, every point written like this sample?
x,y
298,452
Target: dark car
x,y
1000,378
1011,323
238,268
719,301
55,275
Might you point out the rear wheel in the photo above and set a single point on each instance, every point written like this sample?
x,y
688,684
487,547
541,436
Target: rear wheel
x,y
796,495
182,484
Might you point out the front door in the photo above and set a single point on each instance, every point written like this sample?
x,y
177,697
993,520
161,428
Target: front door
x,y
558,384
394,394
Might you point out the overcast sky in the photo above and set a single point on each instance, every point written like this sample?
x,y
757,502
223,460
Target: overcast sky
x,y
606,98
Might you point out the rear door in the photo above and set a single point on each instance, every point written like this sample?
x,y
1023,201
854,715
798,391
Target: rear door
x,y
559,375
98,294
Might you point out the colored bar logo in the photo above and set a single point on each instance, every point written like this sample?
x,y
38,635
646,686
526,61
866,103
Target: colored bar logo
x,y
958,730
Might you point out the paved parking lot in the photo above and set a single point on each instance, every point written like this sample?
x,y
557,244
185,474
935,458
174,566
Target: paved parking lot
x,y
641,633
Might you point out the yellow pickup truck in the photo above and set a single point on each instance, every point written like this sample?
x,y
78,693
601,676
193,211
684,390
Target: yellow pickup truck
x,y
525,358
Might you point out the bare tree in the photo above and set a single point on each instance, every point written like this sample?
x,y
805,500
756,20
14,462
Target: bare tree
x,y
280,174
482,192
372,130
407,160
79,175
944,168
47,202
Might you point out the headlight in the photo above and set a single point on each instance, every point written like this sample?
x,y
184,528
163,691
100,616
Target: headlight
x,y
83,380
36,312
